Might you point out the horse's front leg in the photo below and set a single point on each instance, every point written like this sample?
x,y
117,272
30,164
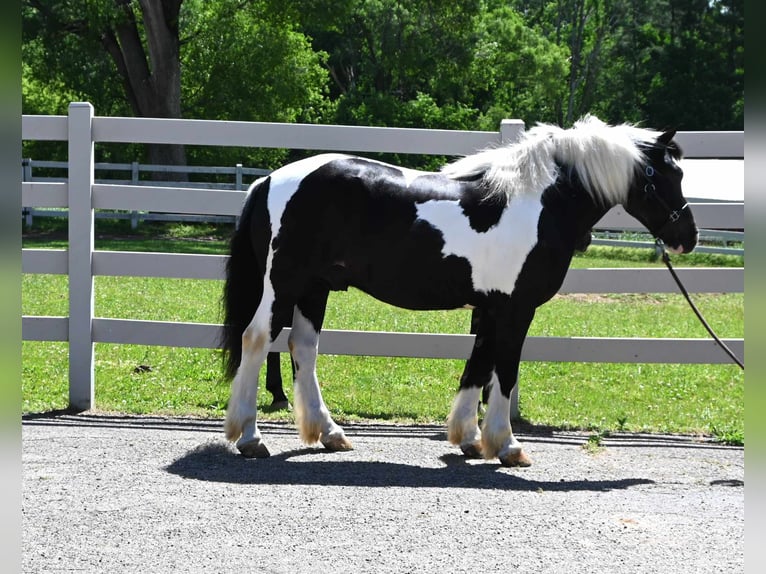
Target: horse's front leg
x,y
463,421
497,436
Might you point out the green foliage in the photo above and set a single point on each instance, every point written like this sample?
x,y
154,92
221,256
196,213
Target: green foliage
x,y
702,65
606,256
594,443
42,97
729,434
402,63
660,62
411,63
248,62
516,72
62,54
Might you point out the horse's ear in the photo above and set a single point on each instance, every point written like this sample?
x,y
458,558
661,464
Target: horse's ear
x,y
666,137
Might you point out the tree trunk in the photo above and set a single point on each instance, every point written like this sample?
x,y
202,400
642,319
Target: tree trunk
x,y
151,75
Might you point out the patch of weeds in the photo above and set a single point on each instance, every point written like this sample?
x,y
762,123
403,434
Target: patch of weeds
x,y
729,436
621,420
594,443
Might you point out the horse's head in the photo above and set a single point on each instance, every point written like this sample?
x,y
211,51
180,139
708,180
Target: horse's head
x,y
656,200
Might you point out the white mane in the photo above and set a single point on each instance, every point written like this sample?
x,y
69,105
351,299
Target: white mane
x,y
605,158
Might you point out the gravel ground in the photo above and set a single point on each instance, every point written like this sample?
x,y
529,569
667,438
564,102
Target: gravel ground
x,y
121,494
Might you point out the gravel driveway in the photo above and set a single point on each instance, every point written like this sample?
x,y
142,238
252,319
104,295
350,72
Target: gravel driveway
x,y
116,494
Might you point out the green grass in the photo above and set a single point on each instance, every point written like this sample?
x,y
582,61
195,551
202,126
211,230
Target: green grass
x,y
696,399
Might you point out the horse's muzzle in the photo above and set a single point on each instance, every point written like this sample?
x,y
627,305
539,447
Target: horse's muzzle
x,y
684,246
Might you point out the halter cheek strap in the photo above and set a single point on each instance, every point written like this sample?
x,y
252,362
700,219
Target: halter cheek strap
x,y
651,191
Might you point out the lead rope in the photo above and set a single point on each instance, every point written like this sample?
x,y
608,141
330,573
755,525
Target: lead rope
x,y
666,260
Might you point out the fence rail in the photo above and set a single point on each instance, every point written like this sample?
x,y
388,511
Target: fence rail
x,y
81,195
237,174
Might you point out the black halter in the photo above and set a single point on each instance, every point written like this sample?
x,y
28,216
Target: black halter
x,y
651,191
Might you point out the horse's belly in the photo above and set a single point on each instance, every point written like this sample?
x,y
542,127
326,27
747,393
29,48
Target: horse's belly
x,y
421,285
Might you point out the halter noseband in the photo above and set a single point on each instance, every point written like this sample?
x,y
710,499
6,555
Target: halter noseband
x,y
651,191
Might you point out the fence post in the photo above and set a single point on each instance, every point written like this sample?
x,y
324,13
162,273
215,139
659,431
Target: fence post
x,y
26,175
81,234
511,131
238,187
134,179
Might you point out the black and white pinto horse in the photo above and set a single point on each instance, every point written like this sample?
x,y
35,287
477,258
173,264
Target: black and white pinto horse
x,y
494,231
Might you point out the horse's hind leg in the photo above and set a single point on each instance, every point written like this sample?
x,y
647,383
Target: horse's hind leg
x,y
274,381
241,413
311,414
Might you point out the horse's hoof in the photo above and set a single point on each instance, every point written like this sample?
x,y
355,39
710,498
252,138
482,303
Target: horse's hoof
x,y
281,406
337,443
254,449
472,450
515,458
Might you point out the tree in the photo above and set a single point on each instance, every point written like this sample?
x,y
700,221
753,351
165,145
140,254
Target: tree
x,y
516,72
661,62
241,60
419,63
396,63
584,28
701,66
249,61
141,39
429,64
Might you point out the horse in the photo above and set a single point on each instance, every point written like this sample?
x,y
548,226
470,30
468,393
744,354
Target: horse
x,y
494,231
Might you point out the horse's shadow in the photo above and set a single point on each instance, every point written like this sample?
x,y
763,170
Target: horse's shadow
x,y
217,462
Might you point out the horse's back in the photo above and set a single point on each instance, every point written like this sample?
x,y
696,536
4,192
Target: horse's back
x,y
354,222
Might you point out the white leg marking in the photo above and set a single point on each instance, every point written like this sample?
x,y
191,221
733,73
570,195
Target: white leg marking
x,y
250,433
497,436
311,414
463,421
241,413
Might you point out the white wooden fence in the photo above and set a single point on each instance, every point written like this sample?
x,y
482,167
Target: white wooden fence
x,y
81,196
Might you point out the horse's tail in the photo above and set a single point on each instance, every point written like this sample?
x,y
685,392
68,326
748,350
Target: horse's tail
x,y
245,270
